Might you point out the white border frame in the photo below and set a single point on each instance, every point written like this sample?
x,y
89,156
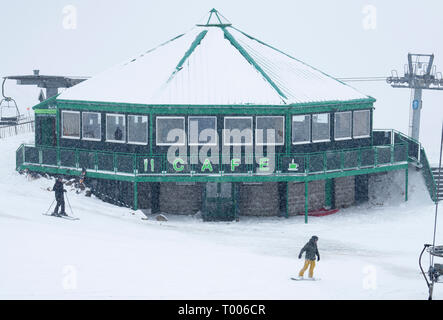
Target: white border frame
x,y
147,130
350,126
79,125
310,125
100,123
312,128
202,143
170,143
238,144
270,144
369,124
106,127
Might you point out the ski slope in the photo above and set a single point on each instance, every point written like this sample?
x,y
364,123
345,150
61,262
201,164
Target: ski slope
x,y
367,252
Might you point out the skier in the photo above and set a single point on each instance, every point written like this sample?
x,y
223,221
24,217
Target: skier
x,y
59,197
311,251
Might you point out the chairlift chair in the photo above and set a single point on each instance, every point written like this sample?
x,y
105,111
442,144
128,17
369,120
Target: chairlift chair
x,y
9,113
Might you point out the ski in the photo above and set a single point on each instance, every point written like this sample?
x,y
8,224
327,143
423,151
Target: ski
x,y
305,279
60,216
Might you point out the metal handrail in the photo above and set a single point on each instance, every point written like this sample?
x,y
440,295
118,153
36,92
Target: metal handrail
x,y
308,158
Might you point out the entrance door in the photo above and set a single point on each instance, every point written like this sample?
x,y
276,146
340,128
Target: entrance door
x,y
47,131
219,201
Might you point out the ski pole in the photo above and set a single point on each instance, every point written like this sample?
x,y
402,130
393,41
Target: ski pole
x,y
50,206
72,212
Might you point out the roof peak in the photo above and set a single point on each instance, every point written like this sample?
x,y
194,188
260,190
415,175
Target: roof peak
x,y
214,18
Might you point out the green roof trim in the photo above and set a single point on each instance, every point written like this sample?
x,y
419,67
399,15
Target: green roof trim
x,y
335,103
252,61
46,103
45,111
191,49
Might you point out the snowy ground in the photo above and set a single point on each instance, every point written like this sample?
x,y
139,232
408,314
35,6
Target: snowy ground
x,y
367,252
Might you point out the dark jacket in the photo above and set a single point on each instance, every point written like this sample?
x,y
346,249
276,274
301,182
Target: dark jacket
x,y
311,250
118,134
58,188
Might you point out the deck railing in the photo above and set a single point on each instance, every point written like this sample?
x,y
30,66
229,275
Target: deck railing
x,y
417,156
278,163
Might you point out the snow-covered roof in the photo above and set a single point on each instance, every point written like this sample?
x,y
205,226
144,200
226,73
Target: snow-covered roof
x,y
213,64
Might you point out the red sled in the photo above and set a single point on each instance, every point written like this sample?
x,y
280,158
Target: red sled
x,y
321,213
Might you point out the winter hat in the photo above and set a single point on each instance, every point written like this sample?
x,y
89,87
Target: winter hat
x,y
314,238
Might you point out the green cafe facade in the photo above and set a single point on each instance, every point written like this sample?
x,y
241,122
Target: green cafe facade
x,y
219,122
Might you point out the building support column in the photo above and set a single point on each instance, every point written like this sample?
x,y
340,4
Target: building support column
x,y
57,134
287,200
236,192
406,183
328,193
306,201
135,196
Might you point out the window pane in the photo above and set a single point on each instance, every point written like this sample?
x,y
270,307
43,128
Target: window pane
x,y
91,126
71,124
137,129
202,130
301,129
238,131
170,130
115,127
361,123
342,128
320,127
269,130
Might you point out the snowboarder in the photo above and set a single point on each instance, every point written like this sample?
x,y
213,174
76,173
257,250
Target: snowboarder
x,y
59,197
311,251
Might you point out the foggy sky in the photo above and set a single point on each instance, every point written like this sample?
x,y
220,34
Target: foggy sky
x,y
329,35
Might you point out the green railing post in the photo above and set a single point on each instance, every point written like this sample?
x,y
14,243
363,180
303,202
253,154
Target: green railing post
x,y
342,160
306,200
324,163
307,164
392,153
375,156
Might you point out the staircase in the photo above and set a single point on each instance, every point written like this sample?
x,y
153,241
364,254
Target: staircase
x,y
438,179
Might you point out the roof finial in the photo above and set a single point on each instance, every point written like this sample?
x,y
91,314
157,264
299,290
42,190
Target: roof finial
x,y
215,18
